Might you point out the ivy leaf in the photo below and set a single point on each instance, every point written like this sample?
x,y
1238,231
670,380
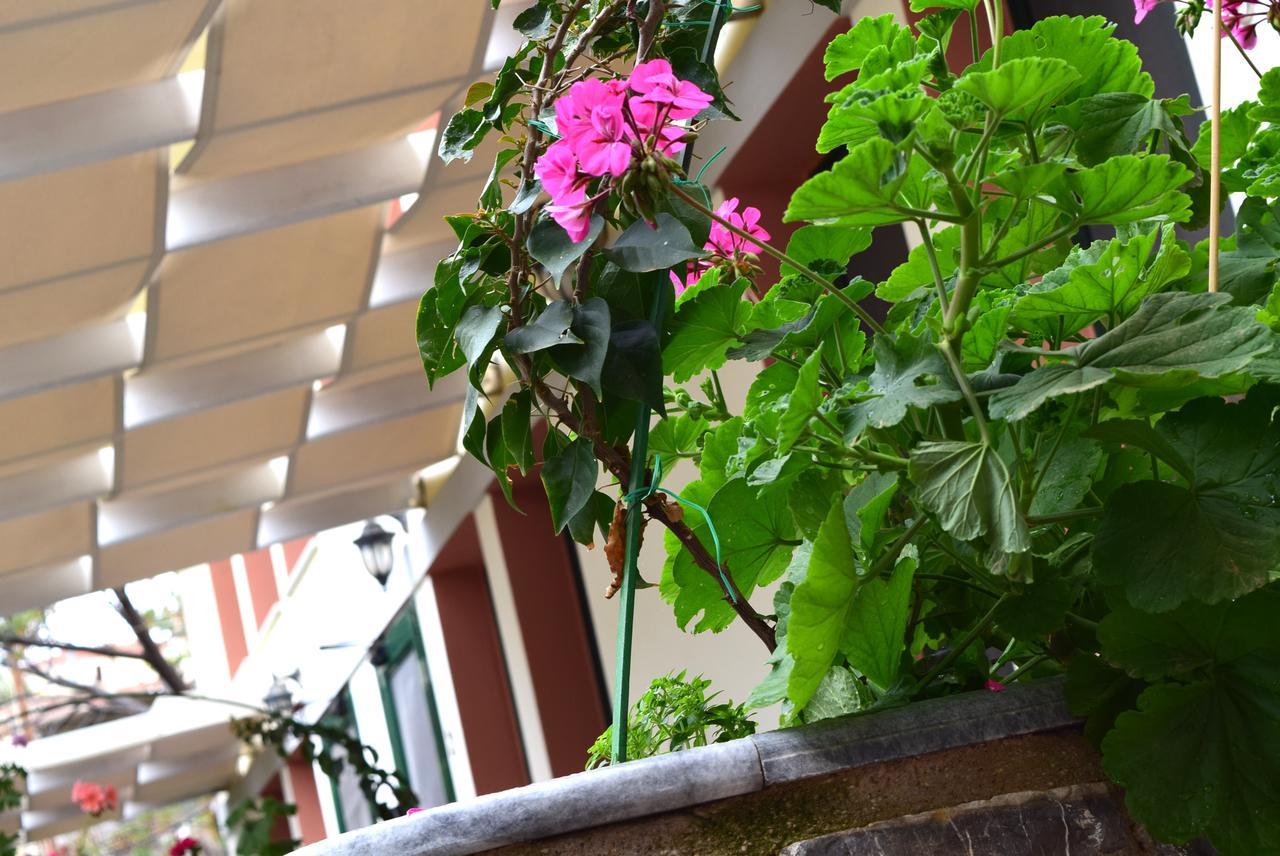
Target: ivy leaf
x,y
1130,188
877,622
1199,756
465,131
1122,123
704,329
1020,88
552,327
517,430
968,487
643,248
584,361
1110,287
820,607
1216,538
551,246
633,366
569,476
857,191
802,403
475,334
909,373
846,52
1172,341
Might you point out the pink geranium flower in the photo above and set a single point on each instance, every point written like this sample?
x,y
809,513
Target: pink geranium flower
x,y
1236,20
558,171
93,798
1142,7
725,244
589,118
651,119
655,82
573,212
995,686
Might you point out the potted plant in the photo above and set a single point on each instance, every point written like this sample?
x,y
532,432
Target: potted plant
x,y
1064,452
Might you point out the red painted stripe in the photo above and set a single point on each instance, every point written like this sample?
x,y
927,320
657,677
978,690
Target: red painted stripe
x,y
262,583
228,605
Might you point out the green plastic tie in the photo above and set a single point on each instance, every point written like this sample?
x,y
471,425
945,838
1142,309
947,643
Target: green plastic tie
x,y
649,490
697,179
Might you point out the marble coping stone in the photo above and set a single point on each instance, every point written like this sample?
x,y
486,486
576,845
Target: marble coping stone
x,y
682,779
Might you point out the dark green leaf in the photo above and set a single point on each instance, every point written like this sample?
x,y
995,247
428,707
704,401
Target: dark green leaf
x,y
1037,610
865,508
476,333
569,477
585,361
802,403
517,430
909,373
1122,123
552,327
1219,537
438,315
595,516
549,243
1068,477
534,22
643,248
1250,272
1140,434
464,132
633,366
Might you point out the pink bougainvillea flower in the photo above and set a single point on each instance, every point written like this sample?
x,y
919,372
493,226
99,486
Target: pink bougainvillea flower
x,y
654,81
573,212
728,244
557,169
1142,7
93,798
995,686
185,847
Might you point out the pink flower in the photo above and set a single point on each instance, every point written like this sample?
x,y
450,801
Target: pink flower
x,y
1142,8
655,82
995,686
557,169
573,212
652,120
590,119
93,798
414,811
1235,19
730,245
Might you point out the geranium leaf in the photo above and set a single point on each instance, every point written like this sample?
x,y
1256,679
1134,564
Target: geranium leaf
x,y
704,329
1172,341
802,403
1122,123
1130,188
1216,538
1020,88
1067,478
909,373
857,191
967,486
1199,755
1103,62
756,532
876,624
846,51
838,244
644,248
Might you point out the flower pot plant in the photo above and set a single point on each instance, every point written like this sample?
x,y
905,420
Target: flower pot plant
x,y
1061,450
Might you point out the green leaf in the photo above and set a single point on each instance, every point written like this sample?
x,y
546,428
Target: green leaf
x,y
438,315
475,334
838,244
1215,539
846,51
756,533
677,437
877,622
569,477
909,373
585,361
704,329
1269,98
967,486
551,246
1110,288
1237,131
865,508
802,403
1067,478
633,366
534,22
517,430
863,114
1139,434
840,694
1122,123
465,131
854,192
809,497
1037,610
1020,88
1250,272
595,516
552,327
1172,341
820,607
916,271
643,248
1199,755
1130,188
1103,62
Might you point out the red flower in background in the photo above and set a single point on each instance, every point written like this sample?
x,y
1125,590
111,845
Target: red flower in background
x,y
184,846
93,798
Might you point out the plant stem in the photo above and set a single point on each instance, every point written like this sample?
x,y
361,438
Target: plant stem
x,y
1065,516
892,462
825,284
1026,667
943,578
1052,238
1243,53
966,389
1053,450
959,648
932,253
